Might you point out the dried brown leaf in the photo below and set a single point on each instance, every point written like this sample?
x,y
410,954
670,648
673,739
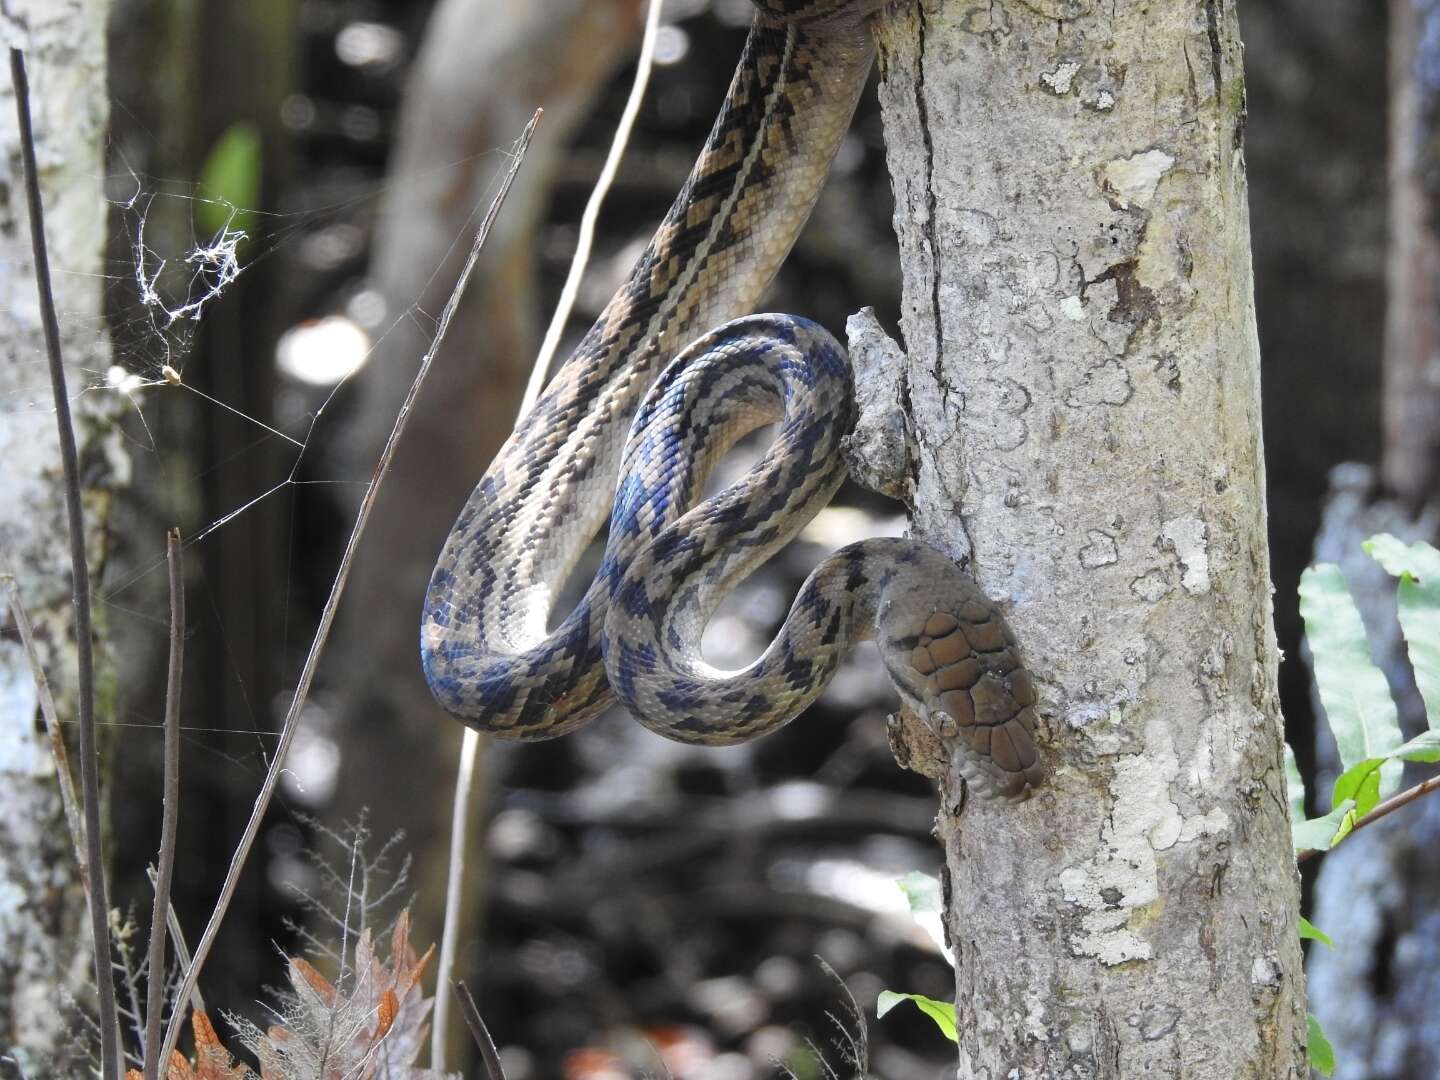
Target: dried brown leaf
x,y
179,1067
389,1006
317,982
212,1060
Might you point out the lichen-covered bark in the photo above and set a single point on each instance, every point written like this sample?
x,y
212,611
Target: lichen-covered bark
x,y
43,947
1083,384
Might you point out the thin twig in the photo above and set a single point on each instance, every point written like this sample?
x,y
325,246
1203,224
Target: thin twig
x,y
332,603
164,871
471,741
80,575
69,799
1384,809
182,953
591,215
454,894
494,1070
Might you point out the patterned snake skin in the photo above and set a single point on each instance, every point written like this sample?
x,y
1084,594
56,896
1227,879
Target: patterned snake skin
x,y
668,562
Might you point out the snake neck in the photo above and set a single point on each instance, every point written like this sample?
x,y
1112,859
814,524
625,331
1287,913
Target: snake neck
x,y
549,489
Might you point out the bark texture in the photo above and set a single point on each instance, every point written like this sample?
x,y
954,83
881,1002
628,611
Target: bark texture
x,y
1083,381
44,950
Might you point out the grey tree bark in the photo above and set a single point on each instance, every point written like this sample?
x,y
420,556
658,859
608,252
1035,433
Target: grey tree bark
x,y
44,950
1082,383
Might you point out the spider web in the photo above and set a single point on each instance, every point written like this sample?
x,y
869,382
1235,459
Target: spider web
x,y
160,288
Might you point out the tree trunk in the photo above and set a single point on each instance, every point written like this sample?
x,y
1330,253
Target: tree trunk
x,y
1083,384
44,949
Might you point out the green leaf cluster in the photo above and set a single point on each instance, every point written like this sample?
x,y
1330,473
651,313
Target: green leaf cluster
x,y
1356,698
1358,706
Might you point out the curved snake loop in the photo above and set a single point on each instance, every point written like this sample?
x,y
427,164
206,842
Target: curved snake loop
x,y
668,562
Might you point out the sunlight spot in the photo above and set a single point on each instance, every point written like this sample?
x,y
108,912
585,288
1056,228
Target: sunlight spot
x,y
322,352
312,768
671,45
368,44
127,382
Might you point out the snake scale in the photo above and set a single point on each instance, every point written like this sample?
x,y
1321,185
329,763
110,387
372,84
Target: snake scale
x,y
616,436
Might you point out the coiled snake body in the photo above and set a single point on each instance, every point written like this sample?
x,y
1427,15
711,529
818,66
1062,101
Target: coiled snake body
x,y
668,562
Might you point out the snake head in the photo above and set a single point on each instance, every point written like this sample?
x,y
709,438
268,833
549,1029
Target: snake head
x,y
954,661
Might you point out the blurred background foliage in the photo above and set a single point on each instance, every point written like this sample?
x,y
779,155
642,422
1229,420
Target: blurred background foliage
x,y
623,887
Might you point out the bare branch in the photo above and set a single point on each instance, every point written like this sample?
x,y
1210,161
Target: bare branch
x,y
164,871
488,1054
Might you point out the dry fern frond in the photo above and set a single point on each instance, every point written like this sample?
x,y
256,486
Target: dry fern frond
x,y
212,1060
368,1024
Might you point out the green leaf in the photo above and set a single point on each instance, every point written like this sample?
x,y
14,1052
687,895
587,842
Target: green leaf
x,y
1424,747
1362,782
922,891
1353,690
1323,833
229,182
1294,786
1360,785
1322,1054
927,905
1418,568
1314,933
942,1012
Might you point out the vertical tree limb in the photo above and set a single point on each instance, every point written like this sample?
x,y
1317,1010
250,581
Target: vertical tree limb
x,y
1083,387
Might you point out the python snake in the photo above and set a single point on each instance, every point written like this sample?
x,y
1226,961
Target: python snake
x,y
576,458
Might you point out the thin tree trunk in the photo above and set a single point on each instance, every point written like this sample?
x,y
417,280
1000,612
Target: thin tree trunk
x,y
1083,389
44,950
1412,314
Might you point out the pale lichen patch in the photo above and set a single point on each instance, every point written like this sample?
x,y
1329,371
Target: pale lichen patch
x,y
1151,585
1106,384
1211,823
1118,887
1100,551
1131,182
1073,308
1186,537
1060,80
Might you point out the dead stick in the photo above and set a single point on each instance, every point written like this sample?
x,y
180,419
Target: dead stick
x,y
481,1034
164,870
